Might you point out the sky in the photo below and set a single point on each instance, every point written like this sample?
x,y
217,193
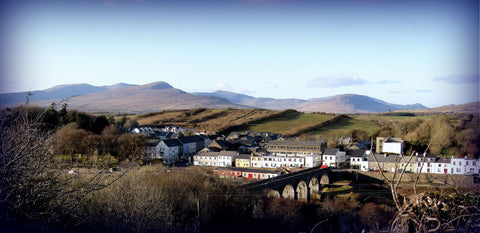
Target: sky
x,y
399,51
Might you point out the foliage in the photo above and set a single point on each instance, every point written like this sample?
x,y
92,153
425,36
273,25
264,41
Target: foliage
x,y
432,212
36,194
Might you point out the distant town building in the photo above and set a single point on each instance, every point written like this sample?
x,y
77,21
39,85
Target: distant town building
x,y
333,157
216,159
389,145
245,173
295,148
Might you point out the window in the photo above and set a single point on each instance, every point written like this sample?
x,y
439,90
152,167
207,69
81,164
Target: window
x,y
466,163
458,169
460,163
453,162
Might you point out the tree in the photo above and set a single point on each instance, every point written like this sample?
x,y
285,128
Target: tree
x,y
83,121
99,124
131,146
68,139
35,194
130,124
50,119
122,121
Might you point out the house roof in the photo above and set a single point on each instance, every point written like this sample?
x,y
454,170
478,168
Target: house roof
x,y
358,153
331,151
220,143
152,142
384,158
204,137
220,153
244,156
190,139
294,143
172,143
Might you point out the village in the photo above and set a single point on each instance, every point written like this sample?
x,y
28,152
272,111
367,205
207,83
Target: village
x,y
263,155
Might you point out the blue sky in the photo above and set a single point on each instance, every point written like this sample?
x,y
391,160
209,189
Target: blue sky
x,y
399,51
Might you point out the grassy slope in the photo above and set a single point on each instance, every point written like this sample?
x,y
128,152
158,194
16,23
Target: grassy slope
x,y
285,122
289,122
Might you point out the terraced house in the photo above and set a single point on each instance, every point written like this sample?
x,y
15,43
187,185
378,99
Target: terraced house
x,y
217,159
295,148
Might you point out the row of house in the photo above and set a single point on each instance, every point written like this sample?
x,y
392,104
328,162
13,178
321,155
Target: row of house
x,y
176,149
167,132
245,173
233,159
365,161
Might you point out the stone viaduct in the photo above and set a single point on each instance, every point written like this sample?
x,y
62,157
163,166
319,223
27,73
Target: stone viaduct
x,y
302,185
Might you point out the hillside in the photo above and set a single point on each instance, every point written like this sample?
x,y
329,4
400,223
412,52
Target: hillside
x,y
469,108
347,103
160,96
215,120
57,93
145,98
350,103
288,122
266,103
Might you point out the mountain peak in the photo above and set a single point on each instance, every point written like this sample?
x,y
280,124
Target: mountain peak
x,y
159,85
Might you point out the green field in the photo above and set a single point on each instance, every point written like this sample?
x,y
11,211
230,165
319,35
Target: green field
x,y
289,122
343,126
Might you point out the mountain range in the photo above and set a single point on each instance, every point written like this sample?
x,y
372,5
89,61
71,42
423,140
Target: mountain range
x,y
160,96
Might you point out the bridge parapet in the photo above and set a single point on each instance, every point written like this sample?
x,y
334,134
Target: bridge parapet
x,y
298,185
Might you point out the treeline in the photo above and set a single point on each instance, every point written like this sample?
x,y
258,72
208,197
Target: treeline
x,y
150,199
75,133
447,135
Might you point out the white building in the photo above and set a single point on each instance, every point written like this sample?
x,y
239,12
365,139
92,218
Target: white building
x,y
152,148
464,166
170,150
358,156
333,157
272,161
216,159
313,160
389,145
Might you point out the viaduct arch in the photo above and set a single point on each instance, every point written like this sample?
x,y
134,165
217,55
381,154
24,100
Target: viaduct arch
x,y
302,185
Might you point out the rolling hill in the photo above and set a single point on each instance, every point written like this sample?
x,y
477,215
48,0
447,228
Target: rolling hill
x,y
160,96
57,93
468,108
151,97
348,103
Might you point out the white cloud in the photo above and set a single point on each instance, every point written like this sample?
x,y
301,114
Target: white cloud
x,y
224,86
423,91
337,80
459,78
387,82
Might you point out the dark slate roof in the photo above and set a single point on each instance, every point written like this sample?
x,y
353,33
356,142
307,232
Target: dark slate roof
x,y
172,143
204,137
152,142
190,139
381,158
244,156
358,153
295,143
221,143
220,153
330,151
